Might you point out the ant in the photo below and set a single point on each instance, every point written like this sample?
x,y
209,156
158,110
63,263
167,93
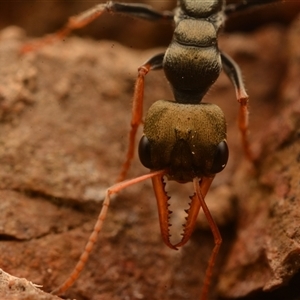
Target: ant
x,y
184,140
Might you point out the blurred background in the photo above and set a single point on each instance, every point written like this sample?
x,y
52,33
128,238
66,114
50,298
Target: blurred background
x,y
263,56
39,17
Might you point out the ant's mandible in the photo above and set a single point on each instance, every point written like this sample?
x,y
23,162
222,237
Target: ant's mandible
x,y
184,140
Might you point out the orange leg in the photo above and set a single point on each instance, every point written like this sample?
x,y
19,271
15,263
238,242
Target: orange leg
x,y
73,23
136,118
116,188
233,72
243,121
135,10
153,63
204,185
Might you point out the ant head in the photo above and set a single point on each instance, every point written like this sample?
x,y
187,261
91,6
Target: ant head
x,y
188,140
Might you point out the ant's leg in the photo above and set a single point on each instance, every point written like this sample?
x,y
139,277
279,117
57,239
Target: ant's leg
x,y
234,73
245,4
141,11
135,10
98,226
154,63
200,189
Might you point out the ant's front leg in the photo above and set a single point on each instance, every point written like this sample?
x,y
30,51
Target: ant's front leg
x,y
234,73
140,11
116,188
154,63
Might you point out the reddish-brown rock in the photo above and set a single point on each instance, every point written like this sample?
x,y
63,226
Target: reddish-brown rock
x,y
64,120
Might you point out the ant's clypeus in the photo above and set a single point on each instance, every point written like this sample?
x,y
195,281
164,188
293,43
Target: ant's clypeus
x,y
184,140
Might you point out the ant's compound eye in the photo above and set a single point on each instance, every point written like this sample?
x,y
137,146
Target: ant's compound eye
x,y
221,158
145,153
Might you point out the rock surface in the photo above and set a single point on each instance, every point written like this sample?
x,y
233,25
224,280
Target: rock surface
x,y
64,120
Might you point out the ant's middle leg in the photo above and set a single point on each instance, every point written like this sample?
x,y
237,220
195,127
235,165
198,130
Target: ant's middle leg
x,y
245,4
81,20
154,63
234,73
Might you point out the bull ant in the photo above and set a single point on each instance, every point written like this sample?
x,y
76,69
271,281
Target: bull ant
x,y
184,140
